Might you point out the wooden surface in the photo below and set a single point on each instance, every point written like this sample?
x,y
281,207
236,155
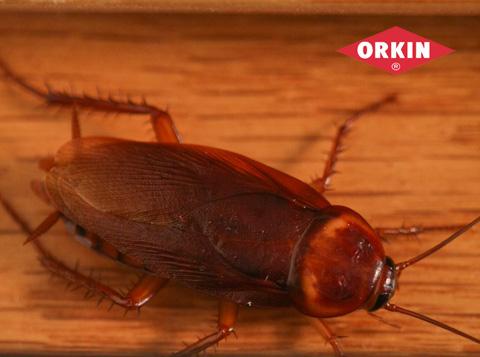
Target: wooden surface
x,y
272,88
411,7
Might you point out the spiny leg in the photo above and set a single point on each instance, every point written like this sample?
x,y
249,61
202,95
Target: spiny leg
x,y
328,335
227,316
162,123
146,288
388,232
322,183
141,293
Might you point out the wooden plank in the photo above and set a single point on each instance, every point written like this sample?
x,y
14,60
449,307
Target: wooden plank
x,y
410,7
272,88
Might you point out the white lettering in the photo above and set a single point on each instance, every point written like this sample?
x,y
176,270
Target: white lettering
x,y
397,50
422,50
381,50
409,49
364,50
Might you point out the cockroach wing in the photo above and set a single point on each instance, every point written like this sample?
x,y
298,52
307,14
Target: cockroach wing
x,y
161,180
158,203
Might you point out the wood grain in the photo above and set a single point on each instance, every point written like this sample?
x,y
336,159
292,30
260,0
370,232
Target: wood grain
x,y
272,88
404,7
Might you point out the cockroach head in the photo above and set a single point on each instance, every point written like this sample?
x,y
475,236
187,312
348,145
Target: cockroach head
x,y
338,265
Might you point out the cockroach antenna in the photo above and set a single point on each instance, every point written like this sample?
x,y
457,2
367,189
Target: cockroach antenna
x,y
395,308
401,266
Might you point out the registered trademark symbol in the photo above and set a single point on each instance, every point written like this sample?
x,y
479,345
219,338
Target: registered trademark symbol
x,y
395,66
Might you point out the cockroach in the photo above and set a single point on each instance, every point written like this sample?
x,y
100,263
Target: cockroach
x,y
215,221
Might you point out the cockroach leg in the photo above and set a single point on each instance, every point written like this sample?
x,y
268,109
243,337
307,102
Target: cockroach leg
x,y
43,227
164,127
387,233
162,123
138,296
322,183
328,335
141,293
227,316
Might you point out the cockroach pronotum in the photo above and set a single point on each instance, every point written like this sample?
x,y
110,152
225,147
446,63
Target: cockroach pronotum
x,y
215,221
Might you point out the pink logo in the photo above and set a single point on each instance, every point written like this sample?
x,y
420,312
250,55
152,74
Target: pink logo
x,y
395,50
